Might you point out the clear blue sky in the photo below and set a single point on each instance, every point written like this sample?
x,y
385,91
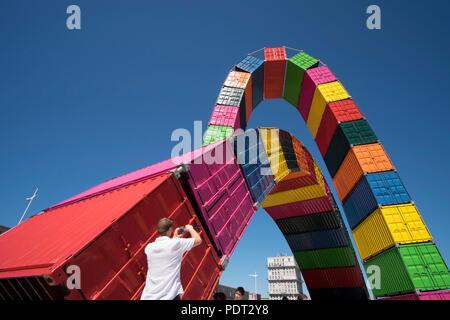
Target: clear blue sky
x,y
80,107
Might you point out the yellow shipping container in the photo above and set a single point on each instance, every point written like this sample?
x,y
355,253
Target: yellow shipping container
x,y
389,225
300,194
274,152
324,93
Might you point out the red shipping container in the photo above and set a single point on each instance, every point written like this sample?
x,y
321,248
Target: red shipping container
x,y
335,113
227,116
312,78
346,277
295,209
431,295
274,72
105,236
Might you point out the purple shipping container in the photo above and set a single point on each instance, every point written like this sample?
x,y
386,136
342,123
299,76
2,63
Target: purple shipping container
x,y
312,78
431,295
217,191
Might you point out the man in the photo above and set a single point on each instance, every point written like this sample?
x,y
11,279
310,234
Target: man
x,y
164,261
239,293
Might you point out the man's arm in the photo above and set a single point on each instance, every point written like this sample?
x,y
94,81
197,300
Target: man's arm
x,y
194,234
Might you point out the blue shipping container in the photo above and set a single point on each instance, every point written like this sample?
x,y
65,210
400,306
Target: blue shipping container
x,y
374,190
334,238
256,67
253,161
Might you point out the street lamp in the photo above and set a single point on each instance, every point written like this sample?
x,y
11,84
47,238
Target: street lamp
x,y
30,199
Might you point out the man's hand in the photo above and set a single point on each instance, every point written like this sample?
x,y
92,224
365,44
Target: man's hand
x,y
177,234
193,234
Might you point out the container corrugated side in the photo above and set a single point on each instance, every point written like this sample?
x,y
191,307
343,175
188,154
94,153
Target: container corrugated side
x,y
431,295
344,277
309,223
256,67
334,238
325,258
305,207
274,72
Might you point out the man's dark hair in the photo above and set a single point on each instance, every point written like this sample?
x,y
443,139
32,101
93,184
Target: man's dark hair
x,y
240,290
219,296
164,225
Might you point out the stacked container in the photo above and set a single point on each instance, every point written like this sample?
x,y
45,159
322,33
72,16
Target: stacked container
x,y
255,67
105,235
388,229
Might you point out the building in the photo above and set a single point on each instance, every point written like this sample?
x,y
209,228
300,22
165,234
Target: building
x,y
229,292
284,278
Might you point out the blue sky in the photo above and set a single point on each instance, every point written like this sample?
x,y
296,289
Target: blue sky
x,y
80,107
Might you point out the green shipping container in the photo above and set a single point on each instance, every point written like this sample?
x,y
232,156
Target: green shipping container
x,y
358,132
216,133
325,258
407,268
295,70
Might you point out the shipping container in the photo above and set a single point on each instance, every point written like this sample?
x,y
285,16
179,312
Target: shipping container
x,y
105,236
229,96
387,226
306,175
324,93
325,258
256,67
372,191
242,80
225,116
344,277
337,294
368,158
431,295
288,151
312,78
335,113
310,222
295,70
305,207
216,133
255,165
407,268
274,72
300,194
334,238
271,141
347,134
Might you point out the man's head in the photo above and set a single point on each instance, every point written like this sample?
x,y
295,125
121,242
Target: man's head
x,y
239,293
165,227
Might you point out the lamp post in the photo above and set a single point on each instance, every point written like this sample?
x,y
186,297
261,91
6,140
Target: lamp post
x,y
256,288
30,199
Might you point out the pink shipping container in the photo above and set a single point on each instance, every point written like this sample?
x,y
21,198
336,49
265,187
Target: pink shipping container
x,y
431,295
301,208
312,78
227,116
217,191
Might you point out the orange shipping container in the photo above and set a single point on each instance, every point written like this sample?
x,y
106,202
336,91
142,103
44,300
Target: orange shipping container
x,y
274,72
367,158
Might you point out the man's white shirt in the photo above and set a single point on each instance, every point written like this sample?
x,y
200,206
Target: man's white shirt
x,y
164,257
